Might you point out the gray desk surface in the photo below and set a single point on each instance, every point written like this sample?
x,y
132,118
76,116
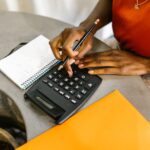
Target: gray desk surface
x,y
20,27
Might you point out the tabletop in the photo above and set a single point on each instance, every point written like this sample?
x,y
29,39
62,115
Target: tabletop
x,y
22,27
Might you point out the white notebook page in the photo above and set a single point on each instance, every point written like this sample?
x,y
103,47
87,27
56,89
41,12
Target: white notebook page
x,y
28,60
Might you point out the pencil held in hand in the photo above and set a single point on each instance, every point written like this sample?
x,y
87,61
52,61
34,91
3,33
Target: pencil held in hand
x,y
77,46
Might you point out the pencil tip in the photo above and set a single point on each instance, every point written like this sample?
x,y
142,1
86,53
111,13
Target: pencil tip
x,y
60,67
97,21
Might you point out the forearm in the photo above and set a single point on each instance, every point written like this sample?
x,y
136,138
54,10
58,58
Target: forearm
x,y
148,66
103,11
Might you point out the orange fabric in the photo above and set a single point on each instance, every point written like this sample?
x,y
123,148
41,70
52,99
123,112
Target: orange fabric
x,y
132,27
111,123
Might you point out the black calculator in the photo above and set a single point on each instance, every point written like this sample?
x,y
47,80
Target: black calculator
x,y
59,95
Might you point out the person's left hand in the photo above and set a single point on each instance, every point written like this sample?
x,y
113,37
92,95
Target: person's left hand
x,y
117,62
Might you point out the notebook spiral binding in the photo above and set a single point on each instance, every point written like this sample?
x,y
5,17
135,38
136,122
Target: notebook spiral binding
x,y
39,74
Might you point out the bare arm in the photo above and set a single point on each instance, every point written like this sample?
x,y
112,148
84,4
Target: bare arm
x,y
103,11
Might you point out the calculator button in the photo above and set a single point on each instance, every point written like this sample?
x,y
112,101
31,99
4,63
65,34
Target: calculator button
x,y
55,72
79,96
55,80
83,91
50,76
89,86
50,84
60,76
76,79
45,81
77,87
61,84
84,77
73,101
56,89
81,82
67,96
71,83
67,87
61,93
72,91
66,79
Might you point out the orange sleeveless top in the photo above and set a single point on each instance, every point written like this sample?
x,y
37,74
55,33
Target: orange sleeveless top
x,y
132,27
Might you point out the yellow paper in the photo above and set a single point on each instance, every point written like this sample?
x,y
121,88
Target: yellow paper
x,y
111,123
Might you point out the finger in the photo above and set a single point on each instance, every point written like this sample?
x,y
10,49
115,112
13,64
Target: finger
x,y
116,71
69,43
133,70
134,73
55,45
112,53
85,47
137,72
102,63
77,61
68,67
99,55
71,61
105,71
91,58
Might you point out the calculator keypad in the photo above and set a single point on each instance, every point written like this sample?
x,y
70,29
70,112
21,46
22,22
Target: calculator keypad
x,y
73,89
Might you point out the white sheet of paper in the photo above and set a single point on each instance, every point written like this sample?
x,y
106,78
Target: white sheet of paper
x,y
28,60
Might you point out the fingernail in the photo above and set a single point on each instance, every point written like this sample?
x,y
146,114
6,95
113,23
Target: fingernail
x,y
71,61
81,65
76,53
70,73
91,72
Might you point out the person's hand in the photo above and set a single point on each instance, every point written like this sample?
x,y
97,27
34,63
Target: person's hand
x,y
63,44
117,62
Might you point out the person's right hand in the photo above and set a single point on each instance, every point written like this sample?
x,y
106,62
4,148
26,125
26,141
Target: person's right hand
x,y
62,46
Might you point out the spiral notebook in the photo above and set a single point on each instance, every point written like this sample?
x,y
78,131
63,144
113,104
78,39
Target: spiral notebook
x,y
28,63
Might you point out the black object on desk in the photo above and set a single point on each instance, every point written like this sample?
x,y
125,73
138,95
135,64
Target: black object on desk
x,y
61,96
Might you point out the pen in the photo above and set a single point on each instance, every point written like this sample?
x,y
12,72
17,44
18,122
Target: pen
x,y
80,42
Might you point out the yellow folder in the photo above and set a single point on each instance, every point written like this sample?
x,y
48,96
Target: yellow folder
x,y
111,123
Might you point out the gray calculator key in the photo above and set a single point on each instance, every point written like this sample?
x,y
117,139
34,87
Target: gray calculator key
x,y
89,85
67,96
67,87
72,91
83,91
61,84
50,84
76,79
77,87
56,89
55,72
45,81
66,79
81,82
73,101
55,80
61,93
60,76
71,83
84,77
50,76
79,96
